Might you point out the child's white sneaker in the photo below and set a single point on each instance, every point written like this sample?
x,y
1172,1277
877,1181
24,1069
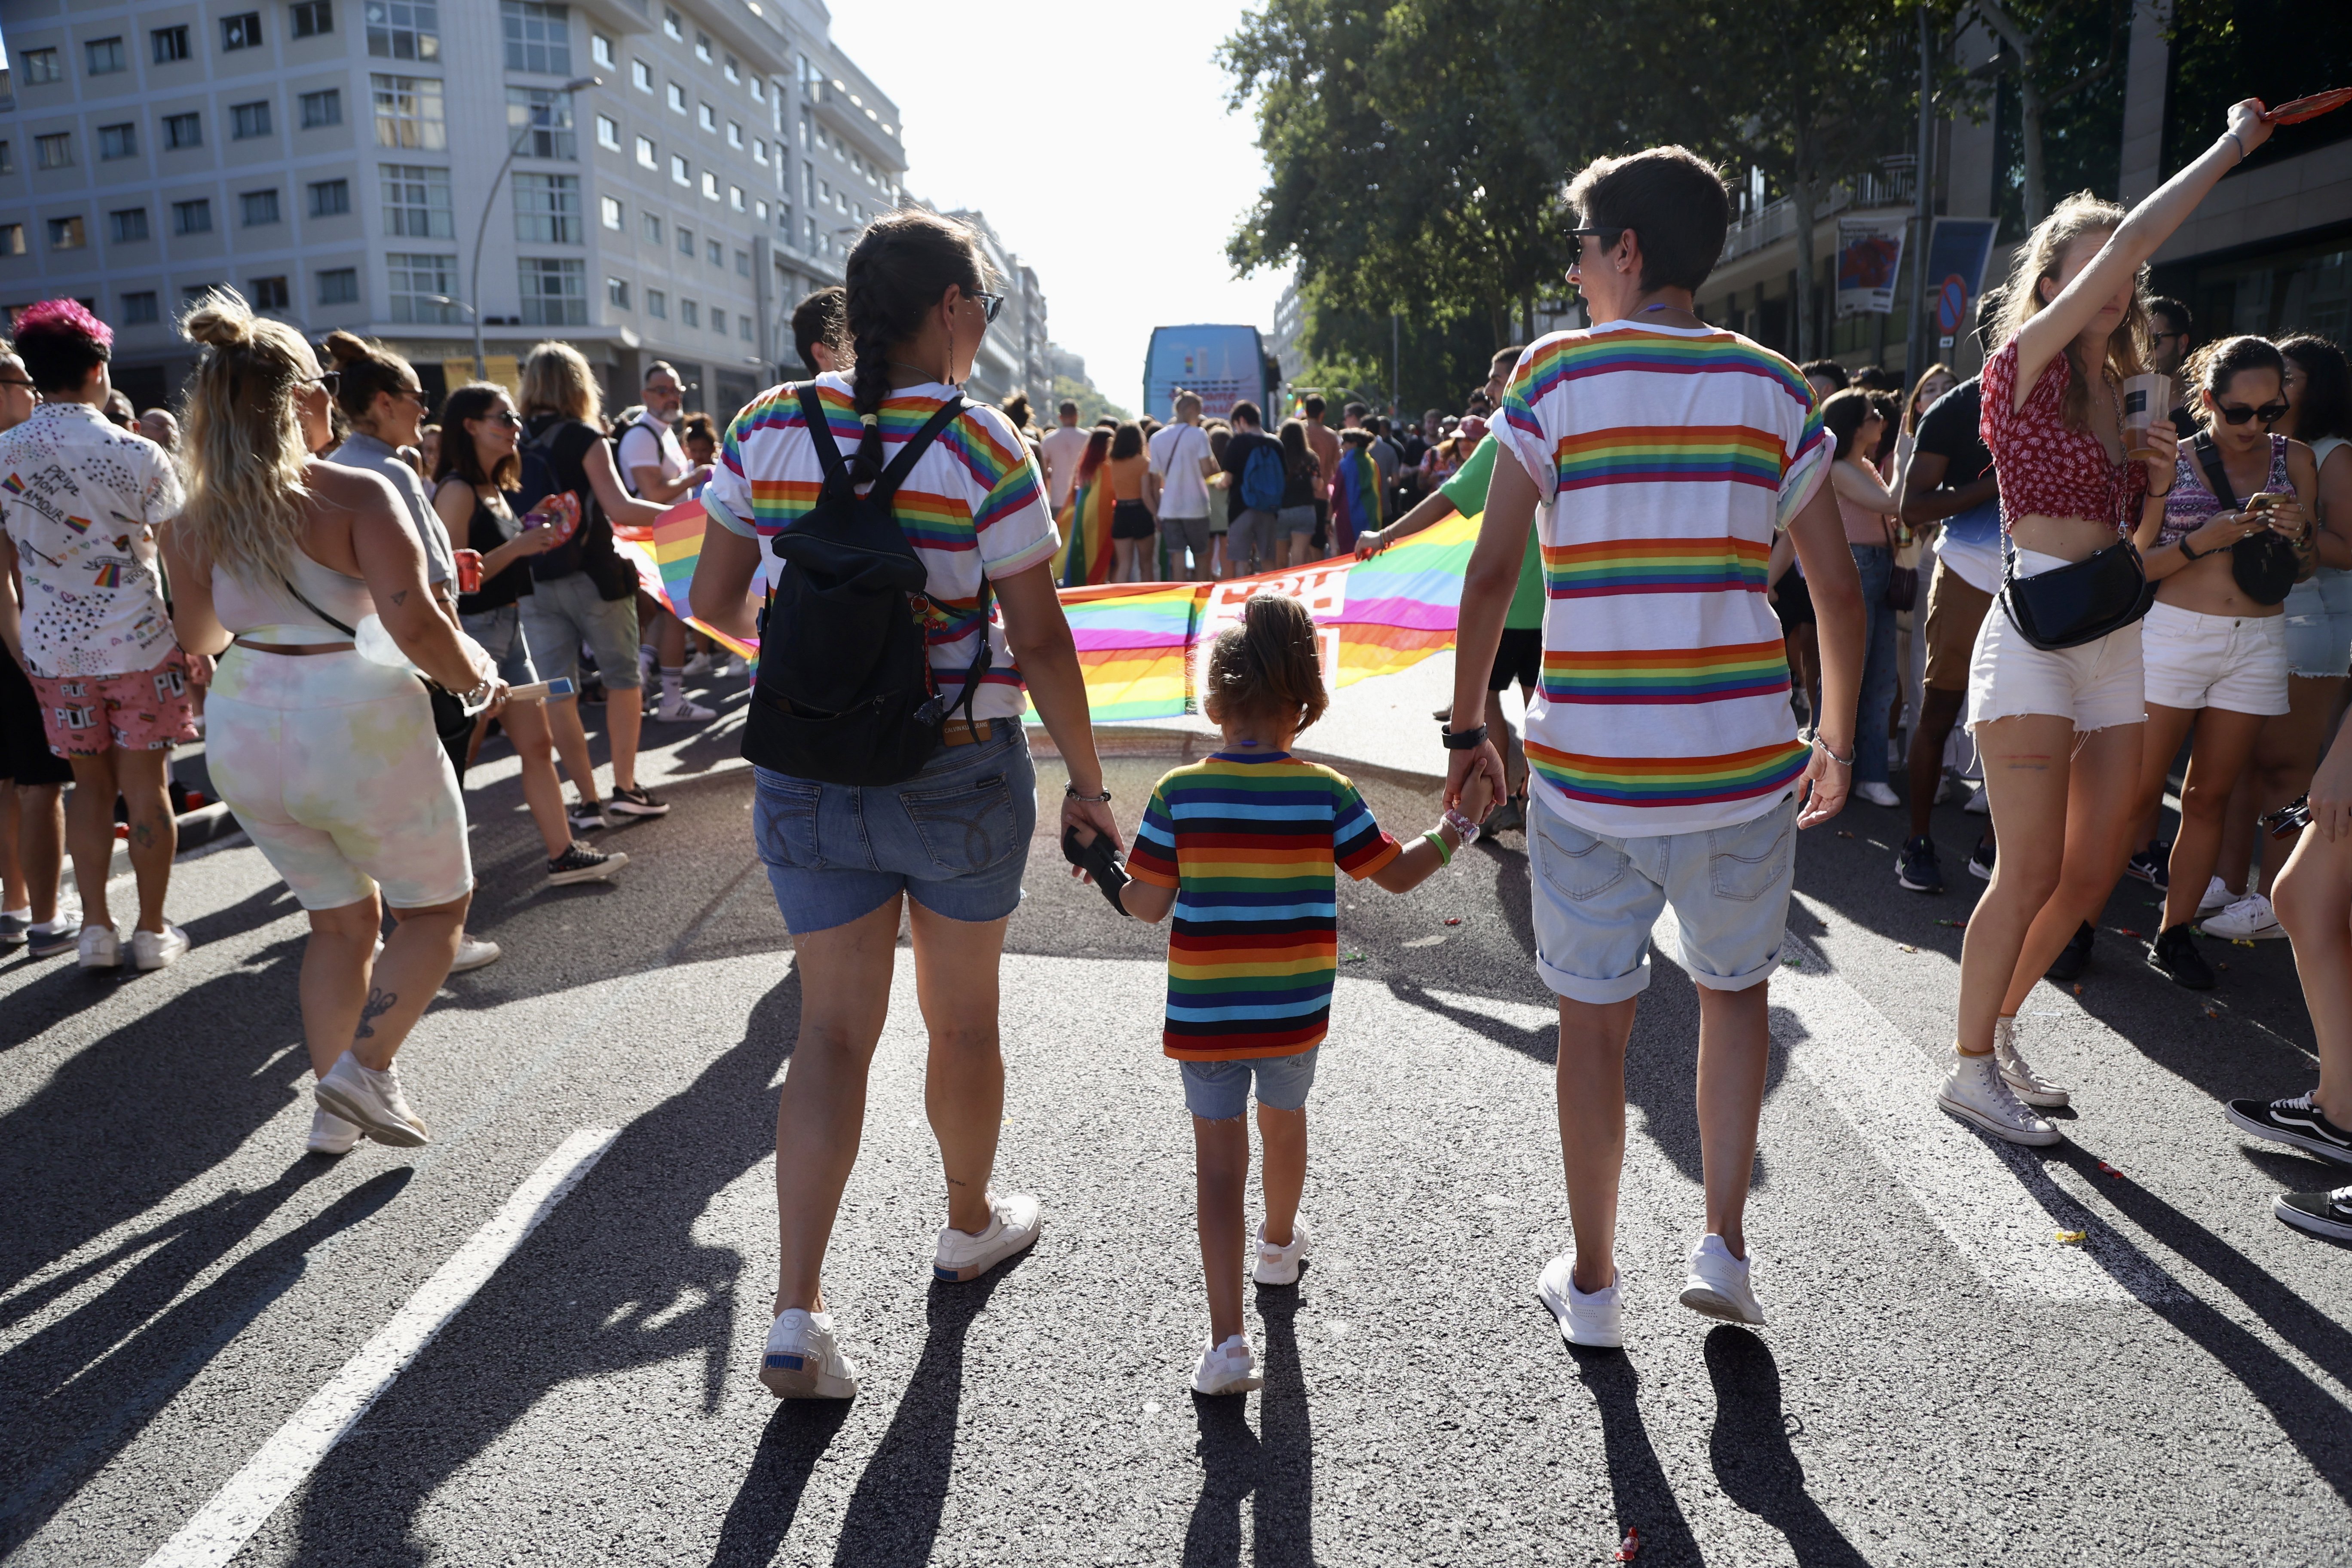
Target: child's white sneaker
x,y
803,1361
1595,1322
1014,1222
1279,1265
1228,1368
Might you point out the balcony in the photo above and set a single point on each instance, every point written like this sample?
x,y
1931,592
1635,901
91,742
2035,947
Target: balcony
x,y
1892,185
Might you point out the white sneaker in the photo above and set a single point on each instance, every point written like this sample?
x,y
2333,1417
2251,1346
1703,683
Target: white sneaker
x,y
1975,1092
1228,1368
1279,1265
1977,804
1014,1223
735,668
1595,1321
100,948
1718,1284
158,950
685,711
474,952
2250,918
1876,794
2216,897
372,1100
330,1133
2018,1073
803,1361
695,664
1944,789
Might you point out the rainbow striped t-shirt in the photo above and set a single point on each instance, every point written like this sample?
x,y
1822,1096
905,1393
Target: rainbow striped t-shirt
x,y
1667,458
1251,846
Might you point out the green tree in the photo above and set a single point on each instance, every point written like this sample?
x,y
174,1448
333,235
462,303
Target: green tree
x,y
1092,404
2059,55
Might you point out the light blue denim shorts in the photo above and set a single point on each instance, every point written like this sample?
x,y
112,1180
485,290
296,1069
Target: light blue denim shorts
x,y
499,632
1596,899
954,837
2319,624
1218,1091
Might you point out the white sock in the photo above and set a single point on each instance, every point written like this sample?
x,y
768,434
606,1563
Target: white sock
x,y
673,687
25,914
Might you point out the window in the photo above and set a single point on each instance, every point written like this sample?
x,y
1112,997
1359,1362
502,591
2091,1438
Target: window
x,y
12,239
717,320
547,208
762,208
608,132
734,72
267,293
650,223
679,173
608,208
616,293
716,253
538,35
759,90
255,208
193,217
118,141
403,29
645,159
735,197
600,50
138,308
641,75
414,280
708,116
689,313
248,120
168,44
242,31
54,151
677,98
339,286
8,157
324,108
182,131
102,56
686,242
416,202
670,22
195,292
702,47
554,292
312,18
656,304
408,112
710,185
758,151
331,198
743,327
742,264
547,113
40,66
734,134
127,226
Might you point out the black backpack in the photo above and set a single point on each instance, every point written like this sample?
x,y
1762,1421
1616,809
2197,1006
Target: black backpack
x,y
845,693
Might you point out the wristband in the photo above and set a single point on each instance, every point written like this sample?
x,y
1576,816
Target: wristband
x,y
1469,739
1071,789
1464,829
2186,554
1444,856
2242,154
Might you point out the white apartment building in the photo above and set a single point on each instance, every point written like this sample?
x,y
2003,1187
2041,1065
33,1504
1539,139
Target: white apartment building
x,y
339,163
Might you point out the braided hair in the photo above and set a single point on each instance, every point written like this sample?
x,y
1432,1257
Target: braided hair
x,y
900,266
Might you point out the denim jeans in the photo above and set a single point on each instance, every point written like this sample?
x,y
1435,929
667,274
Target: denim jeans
x,y
1874,563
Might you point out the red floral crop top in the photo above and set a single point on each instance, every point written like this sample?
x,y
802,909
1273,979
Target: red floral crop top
x,y
2045,467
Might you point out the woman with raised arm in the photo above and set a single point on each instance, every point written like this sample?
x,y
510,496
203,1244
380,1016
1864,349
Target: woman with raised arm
x,y
945,847
2058,718
328,758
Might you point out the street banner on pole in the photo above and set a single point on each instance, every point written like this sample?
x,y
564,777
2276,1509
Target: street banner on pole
x,y
1957,255
1869,250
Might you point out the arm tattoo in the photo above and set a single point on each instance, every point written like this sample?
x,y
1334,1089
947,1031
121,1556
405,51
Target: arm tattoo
x,y
401,598
378,1003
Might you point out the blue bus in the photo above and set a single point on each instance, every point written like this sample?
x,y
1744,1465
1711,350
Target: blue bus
x,y
1224,364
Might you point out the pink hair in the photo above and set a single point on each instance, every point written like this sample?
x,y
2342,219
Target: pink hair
x,y
64,317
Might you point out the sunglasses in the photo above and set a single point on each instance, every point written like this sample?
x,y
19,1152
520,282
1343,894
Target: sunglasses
x,y
1607,236
2238,413
989,303
331,381
508,417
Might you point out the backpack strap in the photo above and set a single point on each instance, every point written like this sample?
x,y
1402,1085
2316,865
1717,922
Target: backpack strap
x,y
903,464
828,452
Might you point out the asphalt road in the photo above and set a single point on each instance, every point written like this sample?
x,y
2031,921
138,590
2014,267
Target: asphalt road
x,y
1941,1381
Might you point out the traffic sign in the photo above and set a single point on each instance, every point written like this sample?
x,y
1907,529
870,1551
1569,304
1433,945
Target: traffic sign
x,y
1951,304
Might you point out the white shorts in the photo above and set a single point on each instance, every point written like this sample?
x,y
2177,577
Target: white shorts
x,y
2232,662
2096,685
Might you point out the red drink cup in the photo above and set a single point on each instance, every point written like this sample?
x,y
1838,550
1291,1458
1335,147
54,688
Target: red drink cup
x,y
470,570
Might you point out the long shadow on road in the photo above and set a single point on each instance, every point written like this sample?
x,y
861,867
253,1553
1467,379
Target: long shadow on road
x,y
1273,1468
1752,1455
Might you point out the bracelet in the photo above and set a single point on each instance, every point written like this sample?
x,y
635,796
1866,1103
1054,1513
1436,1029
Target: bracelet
x,y
1823,746
1464,829
1071,789
1444,856
2159,495
2187,553
1469,739
2242,154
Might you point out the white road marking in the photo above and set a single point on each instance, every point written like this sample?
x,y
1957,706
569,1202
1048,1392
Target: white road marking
x,y
222,1526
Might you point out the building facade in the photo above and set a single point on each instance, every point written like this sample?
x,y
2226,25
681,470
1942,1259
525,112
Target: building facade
x,y
339,162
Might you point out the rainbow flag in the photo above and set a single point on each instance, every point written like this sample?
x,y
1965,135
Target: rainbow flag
x,y
664,556
1402,604
1085,556
1135,647
1355,497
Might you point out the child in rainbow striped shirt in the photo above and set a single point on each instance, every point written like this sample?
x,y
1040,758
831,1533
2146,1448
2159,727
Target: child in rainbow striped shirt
x,y
1245,848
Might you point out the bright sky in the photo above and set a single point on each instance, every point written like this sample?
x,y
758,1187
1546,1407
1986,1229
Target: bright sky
x,y
1125,213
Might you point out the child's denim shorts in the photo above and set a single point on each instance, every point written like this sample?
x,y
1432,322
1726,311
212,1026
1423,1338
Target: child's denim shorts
x,y
1218,1091
954,837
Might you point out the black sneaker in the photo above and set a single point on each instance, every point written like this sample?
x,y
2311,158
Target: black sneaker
x,y
587,815
2149,864
61,935
582,864
2295,1122
13,928
2174,953
635,802
1916,867
1980,860
2322,1213
2076,956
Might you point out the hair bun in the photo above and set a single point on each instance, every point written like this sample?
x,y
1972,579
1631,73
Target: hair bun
x,y
220,320
344,348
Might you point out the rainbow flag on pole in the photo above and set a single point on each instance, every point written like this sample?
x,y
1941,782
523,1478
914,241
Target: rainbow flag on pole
x,y
1085,556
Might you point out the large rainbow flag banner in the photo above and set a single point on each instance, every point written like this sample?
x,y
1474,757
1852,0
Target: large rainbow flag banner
x,y
1139,644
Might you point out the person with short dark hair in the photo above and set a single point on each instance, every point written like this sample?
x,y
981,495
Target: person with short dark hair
x,y
1181,467
1059,451
119,410
1325,445
2170,336
819,333
1250,543
1133,525
1825,376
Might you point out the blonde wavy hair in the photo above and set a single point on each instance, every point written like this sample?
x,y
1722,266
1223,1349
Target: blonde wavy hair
x,y
241,447
556,380
2041,255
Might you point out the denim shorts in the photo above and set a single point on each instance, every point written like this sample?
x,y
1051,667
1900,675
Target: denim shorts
x,y
954,837
2319,624
564,611
1596,899
1218,1091
499,632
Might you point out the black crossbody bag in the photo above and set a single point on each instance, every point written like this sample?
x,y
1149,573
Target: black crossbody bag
x,y
2077,603
2263,563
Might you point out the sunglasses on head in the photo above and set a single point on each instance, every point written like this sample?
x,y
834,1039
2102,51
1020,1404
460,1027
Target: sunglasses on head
x,y
2238,413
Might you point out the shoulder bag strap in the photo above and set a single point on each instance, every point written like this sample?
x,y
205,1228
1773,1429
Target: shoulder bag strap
x,y
2209,457
314,609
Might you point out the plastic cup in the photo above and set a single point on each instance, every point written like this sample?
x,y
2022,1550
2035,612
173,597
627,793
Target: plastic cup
x,y
2145,398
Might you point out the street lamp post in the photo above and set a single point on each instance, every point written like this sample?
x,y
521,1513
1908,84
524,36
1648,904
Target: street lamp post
x,y
482,229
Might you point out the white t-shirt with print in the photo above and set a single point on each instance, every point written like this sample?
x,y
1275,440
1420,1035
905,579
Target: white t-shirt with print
x,y
81,496
973,508
1176,454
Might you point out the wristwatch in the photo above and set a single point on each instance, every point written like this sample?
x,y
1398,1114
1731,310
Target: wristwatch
x,y
1469,739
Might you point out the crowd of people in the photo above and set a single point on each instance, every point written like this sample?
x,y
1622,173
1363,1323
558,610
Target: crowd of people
x,y
1704,681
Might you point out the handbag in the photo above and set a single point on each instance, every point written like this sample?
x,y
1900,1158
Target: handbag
x,y
452,723
2077,603
2265,564
1902,582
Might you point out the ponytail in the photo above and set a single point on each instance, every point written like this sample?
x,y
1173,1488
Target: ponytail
x,y
895,272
